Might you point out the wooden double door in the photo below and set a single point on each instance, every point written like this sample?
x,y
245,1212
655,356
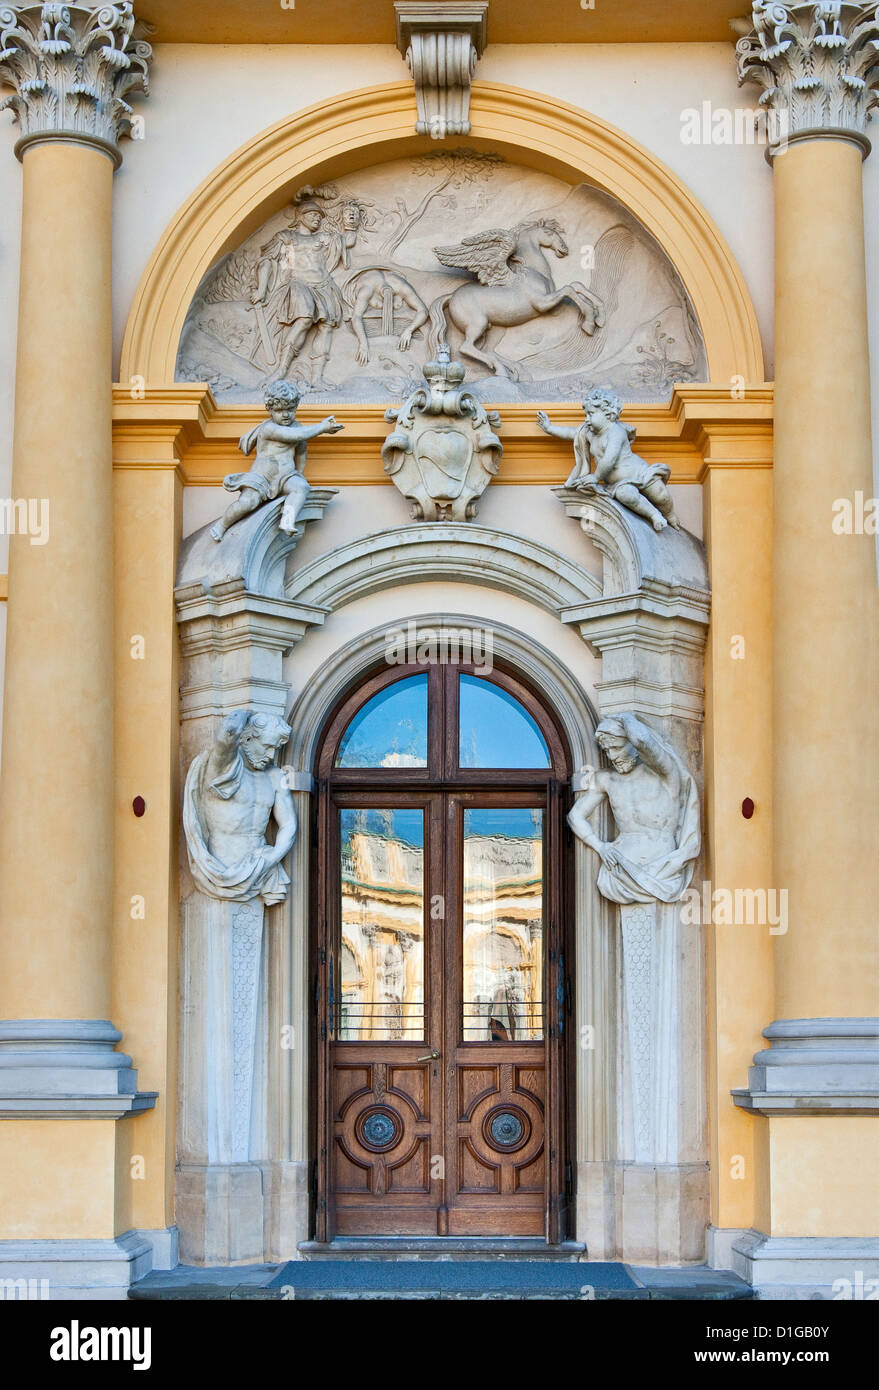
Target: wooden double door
x,y
440,973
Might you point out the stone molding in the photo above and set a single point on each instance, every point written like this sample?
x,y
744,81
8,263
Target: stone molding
x,y
71,67
441,43
88,1269
651,623
818,66
180,428
52,1068
424,551
803,1267
815,1066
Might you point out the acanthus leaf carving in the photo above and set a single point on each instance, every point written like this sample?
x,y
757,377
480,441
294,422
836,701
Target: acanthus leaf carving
x,y
72,68
818,64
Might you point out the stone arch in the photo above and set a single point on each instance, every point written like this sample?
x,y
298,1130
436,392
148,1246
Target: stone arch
x,y
559,688
445,551
377,123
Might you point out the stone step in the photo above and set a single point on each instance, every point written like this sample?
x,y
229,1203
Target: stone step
x,y
448,1280
441,1248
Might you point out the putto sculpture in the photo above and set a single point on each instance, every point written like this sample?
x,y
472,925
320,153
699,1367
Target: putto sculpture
x,y
443,453
606,441
656,808
279,467
231,794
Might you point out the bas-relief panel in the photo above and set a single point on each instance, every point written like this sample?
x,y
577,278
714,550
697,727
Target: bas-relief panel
x,y
540,288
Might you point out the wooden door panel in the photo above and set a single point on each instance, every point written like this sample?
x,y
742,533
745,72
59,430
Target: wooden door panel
x,y
499,1170
383,1139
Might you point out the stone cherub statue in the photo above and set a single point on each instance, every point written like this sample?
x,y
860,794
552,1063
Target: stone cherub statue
x,y
656,808
279,467
628,479
231,794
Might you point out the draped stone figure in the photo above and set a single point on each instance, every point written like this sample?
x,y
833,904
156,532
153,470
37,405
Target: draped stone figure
x,y
623,474
646,870
656,808
232,793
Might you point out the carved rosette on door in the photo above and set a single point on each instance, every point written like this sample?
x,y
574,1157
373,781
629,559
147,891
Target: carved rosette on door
x,y
383,1131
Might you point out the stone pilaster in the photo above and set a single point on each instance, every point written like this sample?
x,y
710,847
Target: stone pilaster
x,y
815,1087
70,67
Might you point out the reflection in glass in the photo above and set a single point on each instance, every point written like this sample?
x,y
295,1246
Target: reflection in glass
x,y
390,730
503,925
382,946
496,730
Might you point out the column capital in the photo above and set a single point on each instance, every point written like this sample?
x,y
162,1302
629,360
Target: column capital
x,y
818,65
71,68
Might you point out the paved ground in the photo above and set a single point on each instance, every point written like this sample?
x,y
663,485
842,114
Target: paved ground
x,y
441,1279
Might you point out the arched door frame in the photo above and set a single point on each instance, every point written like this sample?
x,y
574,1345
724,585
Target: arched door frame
x,y
439,780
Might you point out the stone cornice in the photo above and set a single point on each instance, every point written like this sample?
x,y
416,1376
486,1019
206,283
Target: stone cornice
x,y
181,427
818,65
71,68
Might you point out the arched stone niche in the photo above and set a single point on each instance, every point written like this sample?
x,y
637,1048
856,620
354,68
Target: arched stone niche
x,y
399,278
641,1140
374,126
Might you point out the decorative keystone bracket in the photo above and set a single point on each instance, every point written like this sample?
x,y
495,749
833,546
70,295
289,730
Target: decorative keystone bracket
x,y
441,43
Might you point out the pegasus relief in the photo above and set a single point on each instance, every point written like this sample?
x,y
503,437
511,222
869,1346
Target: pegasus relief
x,y
513,285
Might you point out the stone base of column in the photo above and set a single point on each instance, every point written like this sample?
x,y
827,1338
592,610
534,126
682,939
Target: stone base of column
x,y
648,1214
808,1267
719,1245
288,1211
95,1270
815,1066
59,1067
220,1214
242,1213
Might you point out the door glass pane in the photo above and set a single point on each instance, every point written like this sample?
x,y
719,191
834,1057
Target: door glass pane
x,y
503,925
390,730
381,990
496,730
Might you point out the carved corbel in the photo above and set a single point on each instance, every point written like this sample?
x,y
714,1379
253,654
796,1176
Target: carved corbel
x,y
441,43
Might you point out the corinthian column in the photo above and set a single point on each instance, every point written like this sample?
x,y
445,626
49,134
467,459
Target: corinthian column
x,y
70,68
817,66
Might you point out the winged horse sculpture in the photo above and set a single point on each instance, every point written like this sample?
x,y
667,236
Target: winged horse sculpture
x,y
513,285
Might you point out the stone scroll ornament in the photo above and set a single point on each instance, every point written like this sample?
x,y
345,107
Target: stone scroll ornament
x,y
604,440
443,453
645,870
280,445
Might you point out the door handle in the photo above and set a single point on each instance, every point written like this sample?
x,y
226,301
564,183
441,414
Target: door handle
x,y
429,1057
